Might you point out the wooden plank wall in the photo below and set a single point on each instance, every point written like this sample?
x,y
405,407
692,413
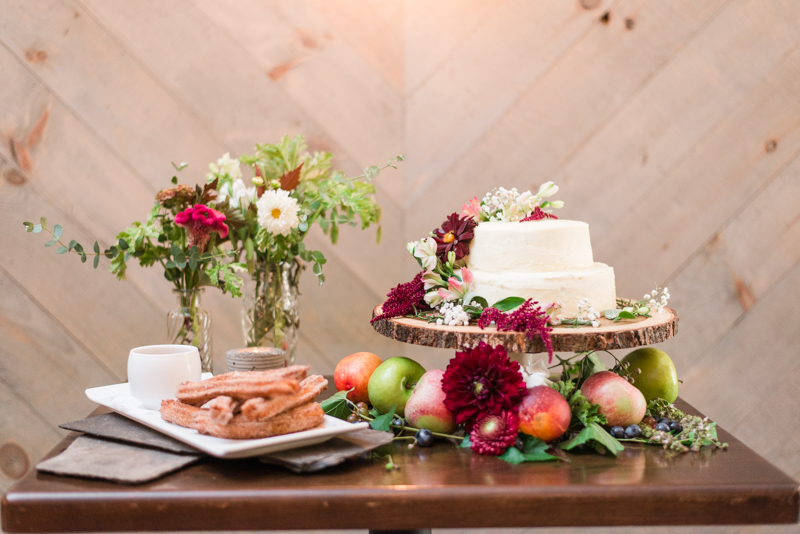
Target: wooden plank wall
x,y
672,127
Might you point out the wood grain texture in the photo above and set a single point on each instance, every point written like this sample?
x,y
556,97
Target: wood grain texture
x,y
608,336
438,486
672,128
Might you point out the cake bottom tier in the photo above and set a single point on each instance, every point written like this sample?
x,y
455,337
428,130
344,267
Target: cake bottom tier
x,y
595,283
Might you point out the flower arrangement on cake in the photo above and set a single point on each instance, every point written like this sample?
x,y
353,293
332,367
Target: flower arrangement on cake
x,y
508,261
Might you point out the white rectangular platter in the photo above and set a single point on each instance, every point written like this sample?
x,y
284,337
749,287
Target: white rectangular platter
x,y
118,398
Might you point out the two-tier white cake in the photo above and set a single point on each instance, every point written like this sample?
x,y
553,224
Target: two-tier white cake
x,y
548,261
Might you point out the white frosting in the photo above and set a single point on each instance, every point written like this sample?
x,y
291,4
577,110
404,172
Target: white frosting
x,y
531,246
547,261
595,282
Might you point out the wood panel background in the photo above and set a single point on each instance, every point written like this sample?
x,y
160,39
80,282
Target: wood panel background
x,y
673,128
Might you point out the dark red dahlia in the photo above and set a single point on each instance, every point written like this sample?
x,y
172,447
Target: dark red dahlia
x,y
493,434
537,215
403,298
455,234
528,318
481,381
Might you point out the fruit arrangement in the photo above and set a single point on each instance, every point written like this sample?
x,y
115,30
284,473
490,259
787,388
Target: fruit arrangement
x,y
487,402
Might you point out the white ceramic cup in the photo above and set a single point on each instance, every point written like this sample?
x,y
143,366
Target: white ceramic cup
x,y
155,371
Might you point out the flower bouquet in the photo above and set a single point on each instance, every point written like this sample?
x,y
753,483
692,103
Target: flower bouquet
x,y
291,191
184,234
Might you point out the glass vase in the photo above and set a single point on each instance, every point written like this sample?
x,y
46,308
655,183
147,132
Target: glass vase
x,y
269,307
190,324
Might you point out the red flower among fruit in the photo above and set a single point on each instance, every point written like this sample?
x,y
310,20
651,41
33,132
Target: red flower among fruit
x,y
493,434
201,220
528,318
403,299
482,381
455,234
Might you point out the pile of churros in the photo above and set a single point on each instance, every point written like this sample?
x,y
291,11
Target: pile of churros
x,y
249,405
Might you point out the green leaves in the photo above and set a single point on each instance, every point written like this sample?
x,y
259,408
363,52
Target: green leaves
x,y
617,315
595,436
383,422
57,233
371,173
336,405
223,275
584,413
533,450
508,304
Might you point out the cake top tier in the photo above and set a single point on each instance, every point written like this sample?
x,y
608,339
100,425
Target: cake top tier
x,y
534,246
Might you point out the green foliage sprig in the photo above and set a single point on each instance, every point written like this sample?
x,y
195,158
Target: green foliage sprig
x,y
160,240
73,246
326,197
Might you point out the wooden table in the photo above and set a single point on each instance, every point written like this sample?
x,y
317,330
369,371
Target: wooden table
x,y
437,487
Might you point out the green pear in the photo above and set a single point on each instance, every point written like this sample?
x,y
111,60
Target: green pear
x,y
658,378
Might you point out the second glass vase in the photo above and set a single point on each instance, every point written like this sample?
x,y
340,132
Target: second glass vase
x,y
269,307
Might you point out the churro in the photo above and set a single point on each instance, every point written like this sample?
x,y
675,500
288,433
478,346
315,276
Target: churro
x,y
295,420
221,409
263,409
244,385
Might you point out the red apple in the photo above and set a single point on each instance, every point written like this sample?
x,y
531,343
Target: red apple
x,y
544,413
619,401
354,371
425,408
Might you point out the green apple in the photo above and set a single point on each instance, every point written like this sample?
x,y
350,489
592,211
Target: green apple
x,y
658,378
392,383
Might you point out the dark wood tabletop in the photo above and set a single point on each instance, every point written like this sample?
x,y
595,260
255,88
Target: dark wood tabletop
x,y
436,487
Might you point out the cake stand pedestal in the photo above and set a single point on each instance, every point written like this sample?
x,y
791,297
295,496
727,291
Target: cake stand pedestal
x,y
608,336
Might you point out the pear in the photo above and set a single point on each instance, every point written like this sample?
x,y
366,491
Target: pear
x,y
658,378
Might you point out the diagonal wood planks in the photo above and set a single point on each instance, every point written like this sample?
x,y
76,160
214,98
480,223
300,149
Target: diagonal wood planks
x,y
671,126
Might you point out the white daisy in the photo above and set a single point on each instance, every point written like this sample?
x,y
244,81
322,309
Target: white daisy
x,y
277,212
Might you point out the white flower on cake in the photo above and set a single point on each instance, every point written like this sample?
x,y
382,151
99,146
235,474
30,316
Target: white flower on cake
x,y
536,374
661,303
591,315
225,166
433,299
432,279
237,194
425,251
277,212
547,189
506,205
454,315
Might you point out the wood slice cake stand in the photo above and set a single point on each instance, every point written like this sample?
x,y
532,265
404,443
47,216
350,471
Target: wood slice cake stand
x,y
608,336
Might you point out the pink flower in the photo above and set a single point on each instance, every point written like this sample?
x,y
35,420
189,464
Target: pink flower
x,y
493,434
201,220
457,288
472,209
